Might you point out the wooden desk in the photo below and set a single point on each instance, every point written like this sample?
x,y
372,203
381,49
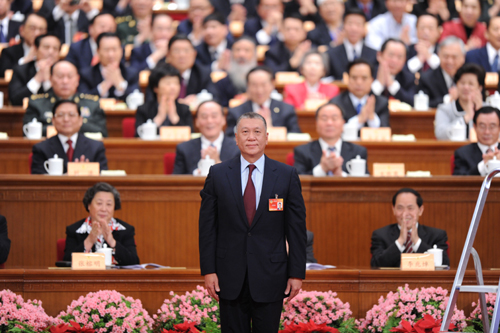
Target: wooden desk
x,y
176,15
164,210
361,288
136,156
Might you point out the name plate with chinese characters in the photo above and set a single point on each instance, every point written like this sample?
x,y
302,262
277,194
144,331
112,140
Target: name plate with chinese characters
x,y
51,131
388,169
491,79
83,169
277,133
175,133
417,262
376,134
87,261
283,78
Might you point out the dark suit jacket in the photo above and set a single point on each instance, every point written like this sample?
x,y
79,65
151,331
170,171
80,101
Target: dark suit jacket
x,y
149,110
309,155
320,35
225,90
91,77
224,7
80,54
412,52
23,6
309,248
185,27
282,114
433,84
479,57
139,56
13,29
59,29
338,59
4,240
252,26
408,88
422,5
188,154
381,107
10,57
233,248
466,160
20,78
385,253
378,7
125,250
91,149
203,55
278,58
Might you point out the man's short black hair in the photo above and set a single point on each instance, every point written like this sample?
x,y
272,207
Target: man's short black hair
x,y
106,35
359,61
209,101
384,46
33,14
328,104
354,11
486,110
101,187
177,38
420,201
65,101
215,16
436,17
155,16
261,68
91,22
162,70
489,21
293,15
38,39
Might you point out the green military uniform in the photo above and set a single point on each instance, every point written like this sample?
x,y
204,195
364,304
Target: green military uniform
x,y
40,107
126,29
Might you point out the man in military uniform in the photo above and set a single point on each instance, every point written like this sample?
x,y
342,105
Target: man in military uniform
x,y
136,28
64,78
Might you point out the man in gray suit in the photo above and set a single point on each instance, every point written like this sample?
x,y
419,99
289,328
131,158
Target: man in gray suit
x,y
328,155
259,88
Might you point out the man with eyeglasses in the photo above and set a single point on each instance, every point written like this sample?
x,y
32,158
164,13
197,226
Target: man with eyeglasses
x,y
65,79
69,144
33,26
471,160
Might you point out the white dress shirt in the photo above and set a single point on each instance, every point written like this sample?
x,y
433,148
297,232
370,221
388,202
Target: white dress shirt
x,y
33,85
375,122
219,49
64,143
26,50
384,26
393,89
256,107
205,143
492,53
414,246
257,177
414,64
119,91
5,27
58,13
318,170
349,49
481,167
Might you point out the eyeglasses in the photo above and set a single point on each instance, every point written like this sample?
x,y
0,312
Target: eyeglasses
x,y
66,115
490,127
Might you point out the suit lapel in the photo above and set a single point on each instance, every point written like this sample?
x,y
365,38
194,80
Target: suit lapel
x,y
274,115
343,57
225,148
80,147
422,233
234,179
270,175
316,153
350,110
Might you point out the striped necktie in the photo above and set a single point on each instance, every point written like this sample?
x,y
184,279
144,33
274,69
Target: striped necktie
x,y
409,244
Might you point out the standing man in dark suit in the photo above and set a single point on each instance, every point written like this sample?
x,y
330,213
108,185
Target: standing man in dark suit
x,y
68,144
408,235
4,240
371,8
33,26
422,56
110,78
328,155
217,41
328,30
357,104
243,233
488,56
260,85
470,160
34,76
210,121
353,45
83,54
393,78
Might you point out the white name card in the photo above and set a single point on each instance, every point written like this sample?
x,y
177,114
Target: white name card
x,y
277,134
51,131
388,169
313,104
283,78
83,168
491,79
175,133
87,261
417,262
107,103
376,134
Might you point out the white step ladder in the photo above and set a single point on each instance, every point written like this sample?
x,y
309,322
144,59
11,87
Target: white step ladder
x,y
480,288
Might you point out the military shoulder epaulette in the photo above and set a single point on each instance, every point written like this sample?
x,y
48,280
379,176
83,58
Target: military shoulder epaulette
x,y
37,96
122,19
89,97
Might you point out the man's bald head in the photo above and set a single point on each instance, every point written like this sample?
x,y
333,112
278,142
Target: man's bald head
x,y
64,78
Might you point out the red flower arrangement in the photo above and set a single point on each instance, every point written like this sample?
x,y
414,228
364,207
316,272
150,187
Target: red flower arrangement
x,y
425,325
186,327
309,327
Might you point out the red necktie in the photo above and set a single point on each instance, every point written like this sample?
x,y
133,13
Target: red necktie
x,y
249,196
70,150
426,66
95,60
183,91
409,244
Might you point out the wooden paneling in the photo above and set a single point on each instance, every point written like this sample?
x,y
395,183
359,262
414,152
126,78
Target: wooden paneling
x,y
342,213
146,157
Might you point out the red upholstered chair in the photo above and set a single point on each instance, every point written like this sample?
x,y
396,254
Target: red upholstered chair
x,y
61,244
168,163
128,127
452,163
30,160
290,160
2,266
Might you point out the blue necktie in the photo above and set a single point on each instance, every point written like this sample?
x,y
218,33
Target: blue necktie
x,y
494,67
354,55
359,107
2,35
331,150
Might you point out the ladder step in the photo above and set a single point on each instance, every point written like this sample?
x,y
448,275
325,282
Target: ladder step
x,y
478,289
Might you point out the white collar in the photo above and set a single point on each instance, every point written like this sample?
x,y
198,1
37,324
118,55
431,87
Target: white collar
x,y
186,75
64,140
266,104
358,47
5,26
74,16
492,53
259,164
219,48
86,227
484,148
337,145
217,142
447,78
313,88
416,225
355,101
93,46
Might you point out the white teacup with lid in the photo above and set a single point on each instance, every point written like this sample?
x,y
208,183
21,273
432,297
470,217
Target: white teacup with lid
x,y
350,132
438,255
421,101
54,166
147,131
356,166
33,130
457,132
492,164
204,165
108,254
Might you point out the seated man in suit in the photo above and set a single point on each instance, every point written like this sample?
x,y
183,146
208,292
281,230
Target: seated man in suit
x,y
69,144
407,235
327,31
4,240
210,120
286,55
217,41
393,78
34,77
328,155
438,83
192,26
64,79
195,77
136,27
395,23
110,78
10,23
487,56
83,54
147,55
67,20
353,46
422,55
237,64
371,8
260,86
470,160
356,103
309,248
33,26
265,27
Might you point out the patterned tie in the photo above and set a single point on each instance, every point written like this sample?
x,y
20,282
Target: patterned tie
x,y
494,66
70,150
249,196
331,150
409,244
